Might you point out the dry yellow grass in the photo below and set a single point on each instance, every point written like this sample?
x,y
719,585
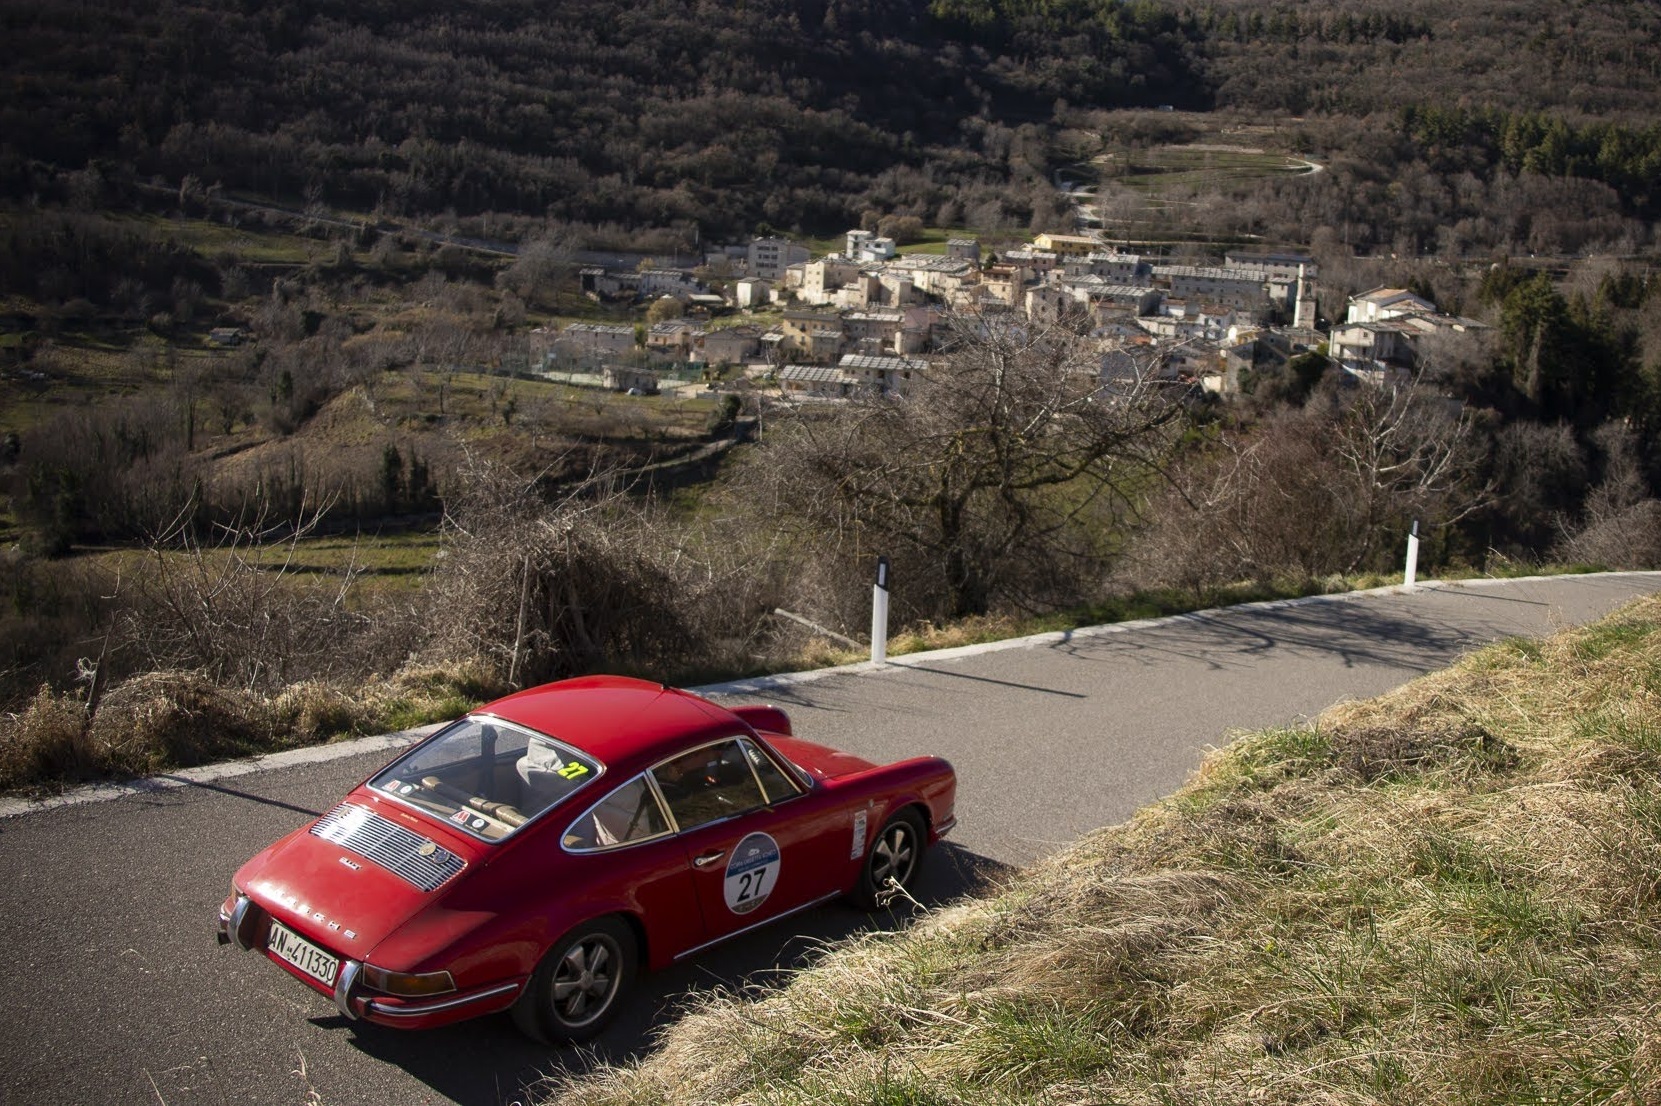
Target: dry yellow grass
x,y
161,720
1448,894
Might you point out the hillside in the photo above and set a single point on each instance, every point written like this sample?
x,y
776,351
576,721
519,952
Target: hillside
x,y
715,119
657,114
1351,58
1447,894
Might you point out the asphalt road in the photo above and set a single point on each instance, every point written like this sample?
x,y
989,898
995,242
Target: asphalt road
x,y
119,994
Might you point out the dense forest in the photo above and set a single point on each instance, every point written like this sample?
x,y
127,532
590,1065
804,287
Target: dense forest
x,y
657,114
720,118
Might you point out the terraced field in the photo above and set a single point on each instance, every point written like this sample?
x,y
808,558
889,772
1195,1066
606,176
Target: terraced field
x,y
1144,191
1201,167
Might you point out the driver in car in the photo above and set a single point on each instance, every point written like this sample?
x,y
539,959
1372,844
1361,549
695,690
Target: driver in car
x,y
689,784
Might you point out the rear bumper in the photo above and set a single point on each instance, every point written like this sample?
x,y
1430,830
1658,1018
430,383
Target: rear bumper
x,y
428,1013
239,923
236,922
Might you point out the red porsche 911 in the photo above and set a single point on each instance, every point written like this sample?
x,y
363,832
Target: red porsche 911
x,y
535,854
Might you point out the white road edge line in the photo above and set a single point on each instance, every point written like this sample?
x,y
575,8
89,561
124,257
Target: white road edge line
x,y
760,685
211,773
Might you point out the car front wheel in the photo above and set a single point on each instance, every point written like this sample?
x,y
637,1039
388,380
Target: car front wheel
x,y
578,986
893,862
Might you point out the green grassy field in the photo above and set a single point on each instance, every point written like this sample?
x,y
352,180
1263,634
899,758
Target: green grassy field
x,y
381,565
1197,168
214,239
1143,193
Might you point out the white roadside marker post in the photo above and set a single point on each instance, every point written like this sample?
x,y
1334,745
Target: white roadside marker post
x,y
1412,558
879,613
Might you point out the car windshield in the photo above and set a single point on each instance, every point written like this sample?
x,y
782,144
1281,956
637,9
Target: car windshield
x,y
487,776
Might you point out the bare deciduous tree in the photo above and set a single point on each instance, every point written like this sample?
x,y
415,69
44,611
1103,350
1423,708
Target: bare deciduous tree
x,y
236,607
995,476
1623,522
1333,487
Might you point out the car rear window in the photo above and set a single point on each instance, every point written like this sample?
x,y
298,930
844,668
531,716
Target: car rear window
x,y
487,776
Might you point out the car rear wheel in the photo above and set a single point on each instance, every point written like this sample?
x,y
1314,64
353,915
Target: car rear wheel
x,y
892,864
578,986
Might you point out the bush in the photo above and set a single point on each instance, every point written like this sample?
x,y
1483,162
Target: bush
x,y
1627,538
176,719
592,582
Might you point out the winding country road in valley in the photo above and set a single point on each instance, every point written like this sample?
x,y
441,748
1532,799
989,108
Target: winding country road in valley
x,y
118,992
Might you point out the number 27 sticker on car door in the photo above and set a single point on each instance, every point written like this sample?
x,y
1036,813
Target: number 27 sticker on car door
x,y
752,871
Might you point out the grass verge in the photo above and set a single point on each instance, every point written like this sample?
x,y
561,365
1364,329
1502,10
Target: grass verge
x,y
1448,894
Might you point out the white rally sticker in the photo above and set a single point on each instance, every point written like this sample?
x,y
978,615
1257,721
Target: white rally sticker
x,y
858,849
752,871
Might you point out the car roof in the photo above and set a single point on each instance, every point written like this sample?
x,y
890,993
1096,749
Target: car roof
x,y
617,720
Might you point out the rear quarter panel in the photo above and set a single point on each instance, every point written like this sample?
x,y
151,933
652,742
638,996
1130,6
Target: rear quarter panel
x,y
501,921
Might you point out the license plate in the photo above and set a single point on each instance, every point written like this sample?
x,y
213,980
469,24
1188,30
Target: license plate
x,y
291,947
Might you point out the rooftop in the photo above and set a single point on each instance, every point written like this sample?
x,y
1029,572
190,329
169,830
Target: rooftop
x,y
868,362
813,374
599,328
1208,272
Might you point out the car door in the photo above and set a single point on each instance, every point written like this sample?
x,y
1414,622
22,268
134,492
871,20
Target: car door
x,y
753,855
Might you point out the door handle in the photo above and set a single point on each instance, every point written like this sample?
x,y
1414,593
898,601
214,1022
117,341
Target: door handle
x,y
707,859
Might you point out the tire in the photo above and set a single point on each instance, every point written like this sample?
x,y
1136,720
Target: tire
x,y
897,854
579,985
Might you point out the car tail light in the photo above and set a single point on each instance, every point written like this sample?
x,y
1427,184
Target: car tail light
x,y
408,984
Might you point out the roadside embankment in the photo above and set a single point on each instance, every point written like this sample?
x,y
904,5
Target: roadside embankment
x,y
1448,893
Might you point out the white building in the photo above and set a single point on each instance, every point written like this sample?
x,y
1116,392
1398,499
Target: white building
x,y
1386,303
862,245
751,292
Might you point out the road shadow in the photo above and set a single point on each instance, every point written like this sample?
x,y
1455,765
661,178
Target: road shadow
x,y
1355,632
487,1062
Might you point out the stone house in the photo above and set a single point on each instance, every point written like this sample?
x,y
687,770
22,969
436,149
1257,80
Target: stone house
x,y
729,346
1069,245
768,258
811,336
873,331
880,374
598,337
672,338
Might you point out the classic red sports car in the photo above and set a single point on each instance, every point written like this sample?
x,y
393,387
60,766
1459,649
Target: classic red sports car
x,y
532,855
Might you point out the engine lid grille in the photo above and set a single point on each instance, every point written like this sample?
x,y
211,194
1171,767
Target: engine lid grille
x,y
403,852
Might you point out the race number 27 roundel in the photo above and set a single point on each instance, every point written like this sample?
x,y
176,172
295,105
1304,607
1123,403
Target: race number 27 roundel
x,y
751,873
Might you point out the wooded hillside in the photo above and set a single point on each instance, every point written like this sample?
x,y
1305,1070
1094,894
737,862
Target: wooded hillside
x,y
651,114
800,114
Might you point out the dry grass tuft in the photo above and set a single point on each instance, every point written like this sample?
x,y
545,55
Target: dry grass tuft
x,y
161,720
1449,893
176,719
46,740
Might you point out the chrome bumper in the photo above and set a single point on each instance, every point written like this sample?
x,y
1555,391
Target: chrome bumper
x,y
234,926
387,1010
345,980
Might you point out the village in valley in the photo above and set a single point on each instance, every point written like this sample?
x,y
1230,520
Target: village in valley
x,y
862,320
